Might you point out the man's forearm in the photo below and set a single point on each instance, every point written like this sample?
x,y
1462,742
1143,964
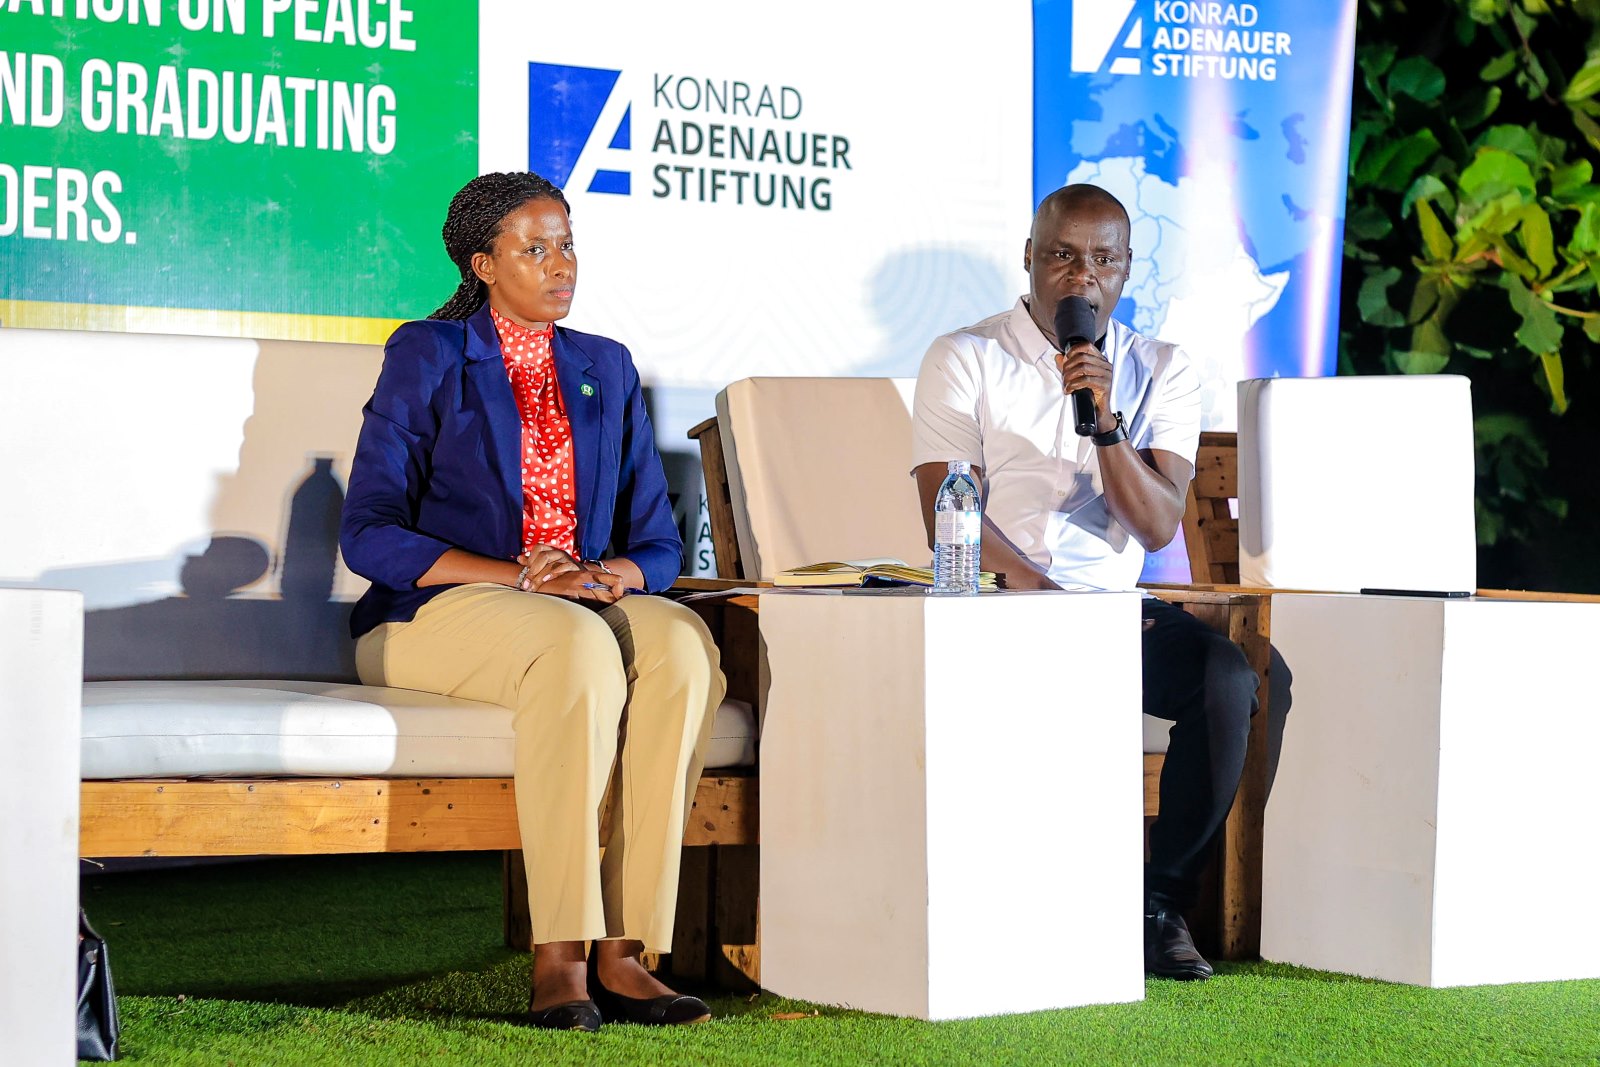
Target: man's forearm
x,y
1139,496
1015,570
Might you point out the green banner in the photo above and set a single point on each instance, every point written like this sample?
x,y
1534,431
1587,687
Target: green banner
x,y
280,160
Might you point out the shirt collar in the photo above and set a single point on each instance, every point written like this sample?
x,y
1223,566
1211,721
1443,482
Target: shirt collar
x,y
1036,348
515,333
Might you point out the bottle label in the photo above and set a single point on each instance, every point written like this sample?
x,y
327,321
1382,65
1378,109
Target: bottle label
x,y
958,527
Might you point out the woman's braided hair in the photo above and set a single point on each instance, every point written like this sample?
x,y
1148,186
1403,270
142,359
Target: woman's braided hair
x,y
473,222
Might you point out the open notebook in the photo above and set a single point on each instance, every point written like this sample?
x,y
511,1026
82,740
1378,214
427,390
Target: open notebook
x,y
885,571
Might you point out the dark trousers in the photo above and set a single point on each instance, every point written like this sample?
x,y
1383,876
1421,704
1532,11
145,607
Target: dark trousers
x,y
1200,680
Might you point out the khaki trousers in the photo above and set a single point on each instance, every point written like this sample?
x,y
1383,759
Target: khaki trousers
x,y
640,676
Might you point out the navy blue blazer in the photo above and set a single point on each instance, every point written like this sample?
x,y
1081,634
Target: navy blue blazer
x,y
439,463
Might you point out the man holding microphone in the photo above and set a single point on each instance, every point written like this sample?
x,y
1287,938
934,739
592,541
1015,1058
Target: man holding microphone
x,y
1064,511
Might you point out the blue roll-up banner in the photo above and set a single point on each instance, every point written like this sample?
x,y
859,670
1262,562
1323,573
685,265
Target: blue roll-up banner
x,y
1224,128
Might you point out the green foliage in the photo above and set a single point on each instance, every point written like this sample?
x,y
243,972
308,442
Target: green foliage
x,y
1472,234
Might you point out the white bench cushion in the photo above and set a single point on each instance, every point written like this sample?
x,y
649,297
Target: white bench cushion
x,y
1356,483
273,728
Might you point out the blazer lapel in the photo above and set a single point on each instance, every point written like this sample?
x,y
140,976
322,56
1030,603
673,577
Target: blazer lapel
x,y
486,369
580,395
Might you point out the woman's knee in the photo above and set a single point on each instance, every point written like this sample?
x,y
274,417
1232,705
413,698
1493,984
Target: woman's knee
x,y
670,637
581,657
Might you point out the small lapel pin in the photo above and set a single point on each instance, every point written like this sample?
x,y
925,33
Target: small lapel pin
x,y
586,389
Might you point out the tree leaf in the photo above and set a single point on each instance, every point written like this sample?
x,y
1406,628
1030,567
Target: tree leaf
x,y
1428,339
1586,234
1494,429
1540,331
1420,362
1427,186
1537,239
1418,78
1555,377
1514,139
1424,302
1590,128
1494,173
1373,299
1377,58
1475,107
1585,83
1368,223
1488,523
1570,179
1401,160
1515,264
1438,243
1498,67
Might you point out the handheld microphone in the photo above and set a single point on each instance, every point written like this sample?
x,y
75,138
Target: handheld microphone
x,y
1074,326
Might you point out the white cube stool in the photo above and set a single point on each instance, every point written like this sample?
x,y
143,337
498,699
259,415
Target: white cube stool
x,y
1355,483
951,801
1433,816
41,679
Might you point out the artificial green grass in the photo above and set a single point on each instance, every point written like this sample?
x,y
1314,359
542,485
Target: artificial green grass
x,y
389,960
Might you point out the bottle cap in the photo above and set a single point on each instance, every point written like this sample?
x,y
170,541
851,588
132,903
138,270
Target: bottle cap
x,y
960,466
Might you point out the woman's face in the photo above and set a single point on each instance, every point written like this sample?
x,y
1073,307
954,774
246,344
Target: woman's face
x,y
533,268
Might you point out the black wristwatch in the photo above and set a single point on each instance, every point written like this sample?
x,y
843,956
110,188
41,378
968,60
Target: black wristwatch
x,y
1111,436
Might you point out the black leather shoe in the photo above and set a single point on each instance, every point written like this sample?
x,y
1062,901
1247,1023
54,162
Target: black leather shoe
x,y
1169,951
670,1009
574,1015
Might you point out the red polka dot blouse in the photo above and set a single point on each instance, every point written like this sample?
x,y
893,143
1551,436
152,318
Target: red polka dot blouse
x,y
549,499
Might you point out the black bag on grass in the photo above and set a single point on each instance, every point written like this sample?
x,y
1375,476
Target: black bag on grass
x,y
97,1001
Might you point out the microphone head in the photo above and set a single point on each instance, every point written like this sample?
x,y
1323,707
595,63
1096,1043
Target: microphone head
x,y
1074,322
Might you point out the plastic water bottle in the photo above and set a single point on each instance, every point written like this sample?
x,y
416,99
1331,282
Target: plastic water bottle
x,y
957,532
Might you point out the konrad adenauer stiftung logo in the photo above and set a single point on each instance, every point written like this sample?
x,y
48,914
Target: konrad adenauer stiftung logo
x,y
1176,39
711,140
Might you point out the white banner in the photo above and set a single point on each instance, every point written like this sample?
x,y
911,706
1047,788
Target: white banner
x,y
766,190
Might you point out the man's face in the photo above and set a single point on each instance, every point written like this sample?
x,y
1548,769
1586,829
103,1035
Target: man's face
x,y
1076,250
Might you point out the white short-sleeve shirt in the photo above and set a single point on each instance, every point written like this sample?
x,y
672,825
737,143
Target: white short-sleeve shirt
x,y
991,394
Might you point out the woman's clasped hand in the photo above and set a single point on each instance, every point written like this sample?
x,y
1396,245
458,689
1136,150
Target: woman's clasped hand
x,y
547,569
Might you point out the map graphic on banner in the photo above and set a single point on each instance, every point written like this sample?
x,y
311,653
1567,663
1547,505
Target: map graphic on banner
x,y
1223,127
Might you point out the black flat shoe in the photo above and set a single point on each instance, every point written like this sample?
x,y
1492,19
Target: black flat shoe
x,y
1169,951
575,1015
670,1009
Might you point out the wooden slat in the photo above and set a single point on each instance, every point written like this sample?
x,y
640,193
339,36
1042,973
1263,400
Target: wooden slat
x,y
726,812
1222,539
1210,533
691,928
1216,466
1536,596
1153,762
305,816
719,498
1239,875
516,922
735,956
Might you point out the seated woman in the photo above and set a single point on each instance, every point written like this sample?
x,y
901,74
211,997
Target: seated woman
x,y
500,456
